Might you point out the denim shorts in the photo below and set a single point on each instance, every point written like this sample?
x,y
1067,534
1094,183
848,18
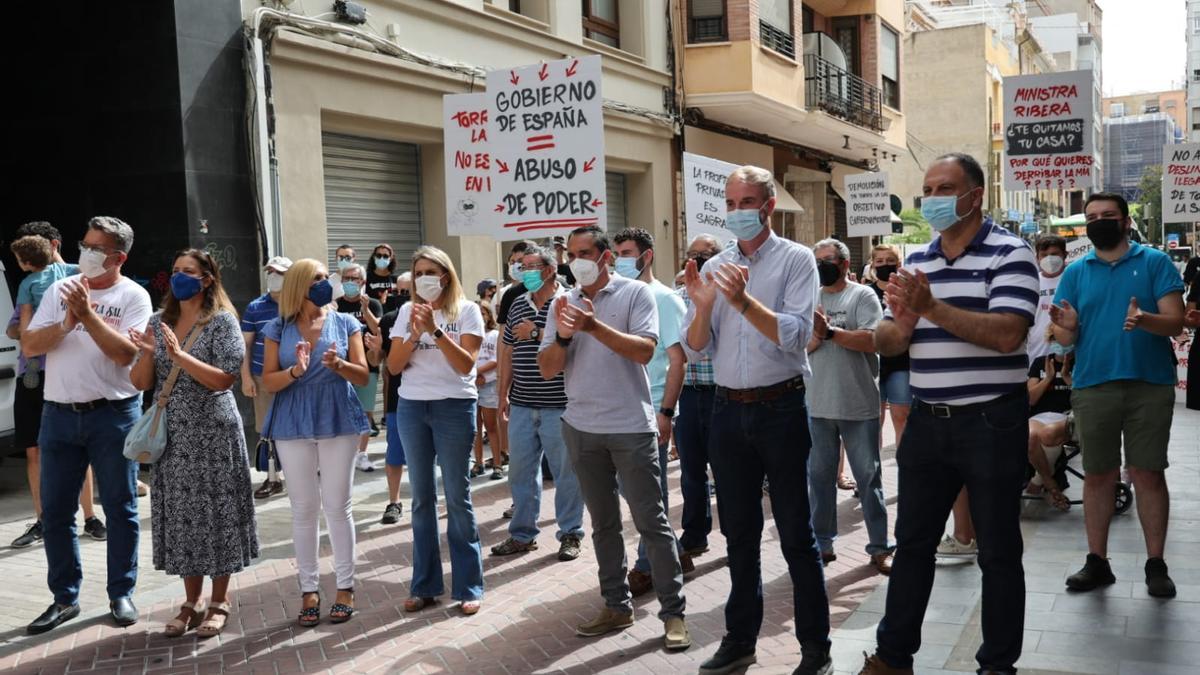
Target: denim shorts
x,y
489,396
893,388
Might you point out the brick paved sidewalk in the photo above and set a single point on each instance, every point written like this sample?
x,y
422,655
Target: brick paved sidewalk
x,y
531,606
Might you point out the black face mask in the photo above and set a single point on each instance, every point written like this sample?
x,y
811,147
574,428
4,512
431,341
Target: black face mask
x,y
885,272
700,259
403,297
1106,233
828,272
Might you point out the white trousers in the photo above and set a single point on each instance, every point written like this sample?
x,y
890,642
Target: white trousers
x,y
320,474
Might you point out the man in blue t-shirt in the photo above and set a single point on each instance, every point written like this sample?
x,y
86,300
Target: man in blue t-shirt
x,y
261,311
1120,305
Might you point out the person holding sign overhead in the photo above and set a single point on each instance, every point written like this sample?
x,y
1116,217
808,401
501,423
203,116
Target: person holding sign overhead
x,y
1120,305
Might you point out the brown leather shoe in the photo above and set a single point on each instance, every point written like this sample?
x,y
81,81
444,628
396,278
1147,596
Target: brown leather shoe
x,y
828,557
686,563
640,583
883,562
873,665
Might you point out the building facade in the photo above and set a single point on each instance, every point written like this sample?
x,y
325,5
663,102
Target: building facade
x,y
1172,103
1193,71
1133,144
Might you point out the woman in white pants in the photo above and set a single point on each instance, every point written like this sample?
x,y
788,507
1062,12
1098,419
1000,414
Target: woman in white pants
x,y
313,357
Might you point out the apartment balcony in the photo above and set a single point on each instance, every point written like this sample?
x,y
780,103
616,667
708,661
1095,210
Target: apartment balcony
x,y
841,94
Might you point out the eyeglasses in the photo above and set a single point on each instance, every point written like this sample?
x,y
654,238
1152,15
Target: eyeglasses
x,y
533,267
98,249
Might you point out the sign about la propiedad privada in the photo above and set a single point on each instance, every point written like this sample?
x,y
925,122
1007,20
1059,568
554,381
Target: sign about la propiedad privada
x,y
1048,131
546,134
1181,183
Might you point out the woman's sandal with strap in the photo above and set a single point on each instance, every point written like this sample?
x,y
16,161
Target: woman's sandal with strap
x,y
218,614
310,616
177,626
340,612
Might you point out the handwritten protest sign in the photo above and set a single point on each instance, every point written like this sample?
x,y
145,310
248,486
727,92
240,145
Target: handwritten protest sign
x,y
1181,183
868,204
468,163
704,195
1048,131
1077,248
546,128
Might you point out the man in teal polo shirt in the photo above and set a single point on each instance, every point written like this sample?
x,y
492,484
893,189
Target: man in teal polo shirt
x,y
1120,305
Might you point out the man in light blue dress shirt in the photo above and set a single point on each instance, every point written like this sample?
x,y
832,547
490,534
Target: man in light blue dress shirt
x,y
752,313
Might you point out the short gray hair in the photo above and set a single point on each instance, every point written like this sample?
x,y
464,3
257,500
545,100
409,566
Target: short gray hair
x,y
118,230
355,266
755,175
843,251
713,242
544,254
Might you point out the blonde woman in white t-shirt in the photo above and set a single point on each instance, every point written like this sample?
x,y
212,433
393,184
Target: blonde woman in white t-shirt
x,y
435,342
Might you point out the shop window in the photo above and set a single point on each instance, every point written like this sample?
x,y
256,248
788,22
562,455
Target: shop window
x,y
600,22
706,21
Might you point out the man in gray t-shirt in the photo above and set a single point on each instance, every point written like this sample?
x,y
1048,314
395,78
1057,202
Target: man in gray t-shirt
x,y
843,403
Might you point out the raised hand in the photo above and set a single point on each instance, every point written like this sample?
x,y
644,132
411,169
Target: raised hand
x,y
422,318
561,327
76,295
702,292
371,341
578,319
170,341
731,280
913,290
820,322
144,341
897,302
303,352
1051,368
330,359
1064,316
1192,318
1133,315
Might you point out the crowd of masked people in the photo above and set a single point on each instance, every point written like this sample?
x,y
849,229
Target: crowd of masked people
x,y
769,367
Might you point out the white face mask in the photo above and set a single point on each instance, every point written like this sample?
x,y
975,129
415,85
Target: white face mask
x,y
91,263
429,288
1051,264
274,282
586,271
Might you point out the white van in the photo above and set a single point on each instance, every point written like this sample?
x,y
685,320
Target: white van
x,y
8,363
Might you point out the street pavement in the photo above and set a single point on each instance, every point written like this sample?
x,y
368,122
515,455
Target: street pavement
x,y
533,601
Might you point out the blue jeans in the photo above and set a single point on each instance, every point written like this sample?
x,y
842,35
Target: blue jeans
x,y
692,428
69,441
441,431
862,454
986,451
750,441
532,433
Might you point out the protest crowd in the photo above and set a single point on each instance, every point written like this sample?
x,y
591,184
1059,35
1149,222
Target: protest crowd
x,y
768,370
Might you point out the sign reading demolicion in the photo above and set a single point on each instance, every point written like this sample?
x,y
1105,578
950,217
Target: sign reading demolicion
x,y
1048,131
546,129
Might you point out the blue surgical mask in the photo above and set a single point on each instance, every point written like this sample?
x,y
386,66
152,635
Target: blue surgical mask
x,y
321,293
744,223
942,212
1061,350
628,267
533,280
343,263
381,261
350,289
185,286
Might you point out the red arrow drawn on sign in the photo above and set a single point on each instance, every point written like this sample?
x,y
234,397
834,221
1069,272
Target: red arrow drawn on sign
x,y
513,77
596,202
571,70
544,72
588,165
503,166
499,208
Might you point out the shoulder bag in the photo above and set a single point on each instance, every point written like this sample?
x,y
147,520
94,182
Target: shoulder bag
x,y
147,439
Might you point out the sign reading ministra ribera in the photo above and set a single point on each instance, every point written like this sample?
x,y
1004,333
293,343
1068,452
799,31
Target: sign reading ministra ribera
x,y
546,135
1048,131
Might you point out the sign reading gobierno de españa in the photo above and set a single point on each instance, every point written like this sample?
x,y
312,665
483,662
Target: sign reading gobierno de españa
x,y
1048,131
546,129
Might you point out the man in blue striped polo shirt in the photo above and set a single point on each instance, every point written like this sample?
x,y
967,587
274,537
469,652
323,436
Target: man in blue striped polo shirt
x,y
962,307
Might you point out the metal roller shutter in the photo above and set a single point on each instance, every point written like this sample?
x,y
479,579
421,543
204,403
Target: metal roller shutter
x,y
614,184
372,196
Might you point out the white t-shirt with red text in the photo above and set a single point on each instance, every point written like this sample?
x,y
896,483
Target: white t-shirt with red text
x,y
76,370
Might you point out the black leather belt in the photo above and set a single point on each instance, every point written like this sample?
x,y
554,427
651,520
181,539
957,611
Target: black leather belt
x,y
701,387
947,411
89,406
762,394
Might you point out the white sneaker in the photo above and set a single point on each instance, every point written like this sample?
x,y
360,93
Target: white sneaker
x,y
363,463
953,548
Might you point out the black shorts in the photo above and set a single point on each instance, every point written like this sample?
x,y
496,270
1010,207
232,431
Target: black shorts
x,y
27,413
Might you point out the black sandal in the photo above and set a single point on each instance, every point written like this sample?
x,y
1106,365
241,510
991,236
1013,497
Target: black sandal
x,y
341,612
310,616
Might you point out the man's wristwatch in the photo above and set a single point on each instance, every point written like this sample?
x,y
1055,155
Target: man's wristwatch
x,y
667,412
829,331
562,341
438,334
535,334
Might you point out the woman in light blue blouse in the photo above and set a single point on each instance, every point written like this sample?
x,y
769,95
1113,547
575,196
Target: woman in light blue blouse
x,y
313,357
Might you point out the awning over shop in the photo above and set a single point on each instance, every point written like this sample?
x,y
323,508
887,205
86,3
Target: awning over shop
x,y
785,201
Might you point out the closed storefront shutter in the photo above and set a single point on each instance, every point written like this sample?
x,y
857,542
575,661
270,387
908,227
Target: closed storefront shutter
x,y
615,187
372,195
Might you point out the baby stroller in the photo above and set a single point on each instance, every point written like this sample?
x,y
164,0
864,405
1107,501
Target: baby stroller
x,y
1062,467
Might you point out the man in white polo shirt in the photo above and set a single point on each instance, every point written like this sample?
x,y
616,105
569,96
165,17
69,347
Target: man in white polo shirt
x,y
82,327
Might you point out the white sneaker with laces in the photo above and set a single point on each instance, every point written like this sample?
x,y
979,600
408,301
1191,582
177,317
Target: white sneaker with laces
x,y
953,548
363,463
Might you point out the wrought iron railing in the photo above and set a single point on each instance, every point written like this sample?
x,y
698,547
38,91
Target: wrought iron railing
x,y
706,29
841,93
778,40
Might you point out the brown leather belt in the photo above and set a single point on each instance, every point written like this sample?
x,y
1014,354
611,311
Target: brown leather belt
x,y
762,394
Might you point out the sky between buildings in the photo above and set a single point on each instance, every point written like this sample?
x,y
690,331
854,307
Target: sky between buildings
x,y
1145,48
